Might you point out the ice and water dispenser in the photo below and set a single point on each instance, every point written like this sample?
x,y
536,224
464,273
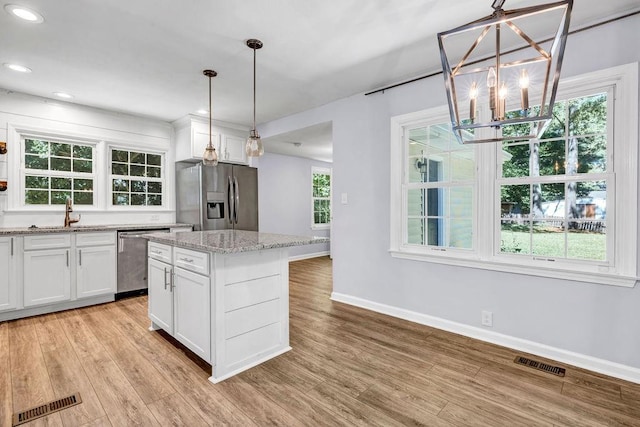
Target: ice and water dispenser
x,y
215,205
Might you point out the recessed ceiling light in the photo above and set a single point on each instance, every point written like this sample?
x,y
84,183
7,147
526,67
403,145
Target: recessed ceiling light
x,y
63,95
202,111
17,67
24,13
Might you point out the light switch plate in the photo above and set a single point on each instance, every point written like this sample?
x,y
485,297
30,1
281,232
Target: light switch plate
x,y
344,198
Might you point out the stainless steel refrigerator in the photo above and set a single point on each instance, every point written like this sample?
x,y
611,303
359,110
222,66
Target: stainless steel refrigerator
x,y
217,197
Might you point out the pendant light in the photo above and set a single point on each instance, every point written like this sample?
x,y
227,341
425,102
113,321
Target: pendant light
x,y
254,146
210,157
503,52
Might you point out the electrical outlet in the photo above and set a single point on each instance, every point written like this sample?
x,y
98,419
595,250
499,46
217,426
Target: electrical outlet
x,y
344,198
487,318
155,217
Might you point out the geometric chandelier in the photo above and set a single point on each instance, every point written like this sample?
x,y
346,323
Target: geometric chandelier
x,y
498,76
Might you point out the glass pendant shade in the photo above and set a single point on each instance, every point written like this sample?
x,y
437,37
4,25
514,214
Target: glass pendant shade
x,y
210,157
254,147
501,72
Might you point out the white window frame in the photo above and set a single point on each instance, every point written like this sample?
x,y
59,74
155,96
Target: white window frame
x,y
110,177
321,171
624,157
17,170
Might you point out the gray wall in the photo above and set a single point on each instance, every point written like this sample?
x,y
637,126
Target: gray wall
x,y
593,320
284,199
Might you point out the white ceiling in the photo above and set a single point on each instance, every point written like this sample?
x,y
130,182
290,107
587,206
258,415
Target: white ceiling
x,y
146,57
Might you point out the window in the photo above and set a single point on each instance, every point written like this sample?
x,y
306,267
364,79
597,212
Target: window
x,y
136,178
321,197
439,187
563,206
56,170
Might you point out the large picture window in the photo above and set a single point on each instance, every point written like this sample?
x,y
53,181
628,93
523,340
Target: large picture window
x,y
136,178
55,171
563,205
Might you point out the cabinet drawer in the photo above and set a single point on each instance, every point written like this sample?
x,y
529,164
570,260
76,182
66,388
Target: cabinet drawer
x,y
95,239
195,261
47,241
160,252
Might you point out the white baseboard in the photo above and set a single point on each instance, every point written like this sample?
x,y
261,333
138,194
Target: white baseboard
x,y
602,366
307,256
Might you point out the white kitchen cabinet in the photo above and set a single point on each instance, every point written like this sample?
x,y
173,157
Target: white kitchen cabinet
x,y
160,294
95,264
95,271
191,302
179,299
8,285
233,149
192,136
47,276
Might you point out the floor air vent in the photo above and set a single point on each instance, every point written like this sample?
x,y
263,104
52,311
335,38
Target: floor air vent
x,y
555,370
46,409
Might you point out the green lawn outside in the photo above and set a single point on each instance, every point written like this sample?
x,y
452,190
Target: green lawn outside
x,y
580,245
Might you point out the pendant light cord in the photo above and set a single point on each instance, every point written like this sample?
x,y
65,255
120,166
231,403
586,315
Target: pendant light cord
x,y
254,88
210,110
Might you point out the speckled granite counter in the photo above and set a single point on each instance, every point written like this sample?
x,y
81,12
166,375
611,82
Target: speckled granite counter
x,y
85,228
232,241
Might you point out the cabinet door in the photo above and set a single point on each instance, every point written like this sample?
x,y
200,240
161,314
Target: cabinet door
x,y
160,295
46,277
192,321
234,149
7,274
200,140
96,271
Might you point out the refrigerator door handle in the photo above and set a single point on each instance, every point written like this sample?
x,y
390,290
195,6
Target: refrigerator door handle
x,y
236,205
230,198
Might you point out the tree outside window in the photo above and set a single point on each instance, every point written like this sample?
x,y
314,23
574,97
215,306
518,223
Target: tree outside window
x,y
321,197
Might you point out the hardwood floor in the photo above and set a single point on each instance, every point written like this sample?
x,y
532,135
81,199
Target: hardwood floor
x,y
348,366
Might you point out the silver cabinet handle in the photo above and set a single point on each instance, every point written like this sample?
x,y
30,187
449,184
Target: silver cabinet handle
x,y
12,246
189,260
173,275
236,206
165,278
67,258
80,256
157,252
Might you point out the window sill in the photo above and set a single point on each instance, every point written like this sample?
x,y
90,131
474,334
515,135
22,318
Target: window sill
x,y
508,266
321,227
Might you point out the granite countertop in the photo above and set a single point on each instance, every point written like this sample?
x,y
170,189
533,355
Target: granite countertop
x,y
85,228
232,241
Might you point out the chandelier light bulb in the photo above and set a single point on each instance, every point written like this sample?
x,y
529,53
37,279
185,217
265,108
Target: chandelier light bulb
x,y
473,95
524,90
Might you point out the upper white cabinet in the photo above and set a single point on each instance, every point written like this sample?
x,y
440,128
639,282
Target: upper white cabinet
x,y
192,137
8,286
232,149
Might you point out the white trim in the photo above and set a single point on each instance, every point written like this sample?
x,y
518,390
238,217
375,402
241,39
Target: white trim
x,y
321,171
270,356
308,256
606,367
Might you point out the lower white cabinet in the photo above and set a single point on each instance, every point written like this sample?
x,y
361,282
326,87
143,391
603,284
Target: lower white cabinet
x,y
191,320
8,285
179,299
47,276
160,294
95,271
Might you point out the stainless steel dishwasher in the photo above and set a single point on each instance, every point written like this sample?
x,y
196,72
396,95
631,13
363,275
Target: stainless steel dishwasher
x,y
132,262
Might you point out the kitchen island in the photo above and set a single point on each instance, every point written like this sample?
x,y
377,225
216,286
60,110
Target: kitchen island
x,y
223,294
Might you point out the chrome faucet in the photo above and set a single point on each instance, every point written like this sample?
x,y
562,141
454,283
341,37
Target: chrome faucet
x,y
67,219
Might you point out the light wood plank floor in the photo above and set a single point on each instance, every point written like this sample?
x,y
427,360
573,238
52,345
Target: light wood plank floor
x,y
348,367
